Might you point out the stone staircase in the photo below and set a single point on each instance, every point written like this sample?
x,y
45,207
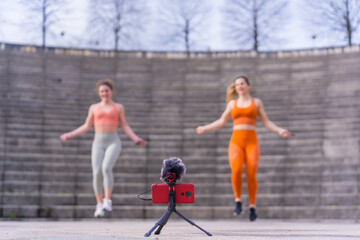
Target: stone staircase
x,y
314,175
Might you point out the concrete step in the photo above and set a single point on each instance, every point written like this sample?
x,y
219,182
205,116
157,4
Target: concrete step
x,y
194,166
136,187
330,181
63,187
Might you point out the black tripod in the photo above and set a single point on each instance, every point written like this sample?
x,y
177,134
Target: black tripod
x,y
171,208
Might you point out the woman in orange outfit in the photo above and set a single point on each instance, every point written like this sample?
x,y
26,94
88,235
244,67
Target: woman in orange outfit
x,y
243,146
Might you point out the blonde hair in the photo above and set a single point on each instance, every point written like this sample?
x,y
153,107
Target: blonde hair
x,y
107,82
231,92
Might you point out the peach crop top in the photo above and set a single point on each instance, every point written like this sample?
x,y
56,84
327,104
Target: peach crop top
x,y
109,118
247,115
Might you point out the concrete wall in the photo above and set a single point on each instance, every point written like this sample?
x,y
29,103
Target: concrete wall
x,y
314,93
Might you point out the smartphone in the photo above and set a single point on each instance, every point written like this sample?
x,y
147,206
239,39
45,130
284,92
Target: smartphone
x,y
184,193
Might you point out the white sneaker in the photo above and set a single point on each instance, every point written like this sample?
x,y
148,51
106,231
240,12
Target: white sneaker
x,y
99,212
107,205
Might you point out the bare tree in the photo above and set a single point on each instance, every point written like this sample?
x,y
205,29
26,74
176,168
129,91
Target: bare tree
x,y
253,21
124,19
336,16
2,21
181,21
44,13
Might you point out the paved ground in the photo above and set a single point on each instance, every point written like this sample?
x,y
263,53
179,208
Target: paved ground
x,y
105,229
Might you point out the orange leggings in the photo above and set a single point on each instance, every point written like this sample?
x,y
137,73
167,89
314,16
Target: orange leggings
x,y
244,148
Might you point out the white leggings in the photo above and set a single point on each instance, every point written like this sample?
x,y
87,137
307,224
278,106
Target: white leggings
x,y
105,151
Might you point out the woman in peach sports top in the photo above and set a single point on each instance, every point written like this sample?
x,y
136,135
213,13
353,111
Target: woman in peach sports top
x,y
243,146
106,147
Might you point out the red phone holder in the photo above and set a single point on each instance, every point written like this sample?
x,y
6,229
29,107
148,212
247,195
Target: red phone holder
x,y
184,193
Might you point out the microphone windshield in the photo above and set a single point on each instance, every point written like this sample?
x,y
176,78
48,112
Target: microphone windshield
x,y
172,170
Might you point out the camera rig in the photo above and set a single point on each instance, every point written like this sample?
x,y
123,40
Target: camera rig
x,y
171,172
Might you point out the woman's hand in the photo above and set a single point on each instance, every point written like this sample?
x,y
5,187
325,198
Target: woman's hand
x,y
284,133
65,137
200,130
140,142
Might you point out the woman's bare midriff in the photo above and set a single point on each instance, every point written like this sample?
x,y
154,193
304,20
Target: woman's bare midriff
x,y
105,129
244,127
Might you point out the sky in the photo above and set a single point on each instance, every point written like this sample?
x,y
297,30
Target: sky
x,y
12,14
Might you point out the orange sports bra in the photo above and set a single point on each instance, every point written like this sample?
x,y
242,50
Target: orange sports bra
x,y
246,115
110,118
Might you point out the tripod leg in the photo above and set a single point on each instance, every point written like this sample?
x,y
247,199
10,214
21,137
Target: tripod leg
x,y
162,224
162,221
191,222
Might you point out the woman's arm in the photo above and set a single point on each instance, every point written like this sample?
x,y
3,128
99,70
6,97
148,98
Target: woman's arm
x,y
126,128
269,124
219,123
83,128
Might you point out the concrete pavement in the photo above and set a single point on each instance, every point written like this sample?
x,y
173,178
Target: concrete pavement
x,y
105,229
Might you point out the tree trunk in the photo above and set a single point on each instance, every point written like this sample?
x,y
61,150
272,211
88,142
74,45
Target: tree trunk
x,y
116,39
348,24
256,36
187,32
44,24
